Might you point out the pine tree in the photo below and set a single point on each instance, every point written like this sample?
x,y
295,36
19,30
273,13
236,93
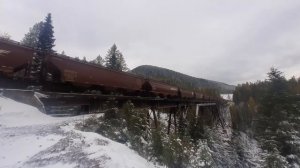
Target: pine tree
x,y
98,60
31,39
44,48
278,83
46,36
115,60
84,59
5,36
275,160
122,63
277,126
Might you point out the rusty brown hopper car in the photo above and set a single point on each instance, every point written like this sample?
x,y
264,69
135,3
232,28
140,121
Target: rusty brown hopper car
x,y
198,95
163,89
15,60
186,94
88,75
14,57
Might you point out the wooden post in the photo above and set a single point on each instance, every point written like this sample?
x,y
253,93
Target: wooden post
x,y
181,122
197,110
148,118
154,117
219,116
175,124
185,111
169,121
199,113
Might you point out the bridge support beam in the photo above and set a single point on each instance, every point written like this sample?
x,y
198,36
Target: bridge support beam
x,y
169,121
154,117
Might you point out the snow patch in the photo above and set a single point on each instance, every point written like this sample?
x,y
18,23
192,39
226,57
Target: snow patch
x,y
60,165
30,138
117,155
15,150
228,97
15,114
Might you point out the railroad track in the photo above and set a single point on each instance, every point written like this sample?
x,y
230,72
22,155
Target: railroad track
x,y
61,104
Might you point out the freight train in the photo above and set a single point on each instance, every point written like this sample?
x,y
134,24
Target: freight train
x,y
63,73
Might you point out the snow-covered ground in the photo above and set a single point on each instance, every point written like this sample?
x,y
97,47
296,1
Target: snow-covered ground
x,y
29,138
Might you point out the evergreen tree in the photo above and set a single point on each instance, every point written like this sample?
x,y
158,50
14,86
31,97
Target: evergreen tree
x,y
5,36
273,107
84,59
46,36
44,47
31,39
278,83
136,122
98,60
115,60
122,63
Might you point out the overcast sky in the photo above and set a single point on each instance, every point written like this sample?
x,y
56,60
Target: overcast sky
x,y
230,41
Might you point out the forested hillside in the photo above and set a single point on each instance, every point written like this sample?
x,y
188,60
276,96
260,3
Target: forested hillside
x,y
182,80
270,111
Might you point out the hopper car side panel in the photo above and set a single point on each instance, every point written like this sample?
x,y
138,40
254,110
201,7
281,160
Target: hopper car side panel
x,y
160,88
187,94
14,58
84,74
198,95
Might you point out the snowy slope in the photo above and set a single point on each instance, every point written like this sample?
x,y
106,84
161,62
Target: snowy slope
x,y
13,114
29,138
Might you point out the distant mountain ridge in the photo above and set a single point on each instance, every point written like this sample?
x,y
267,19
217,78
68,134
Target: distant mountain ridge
x,y
180,79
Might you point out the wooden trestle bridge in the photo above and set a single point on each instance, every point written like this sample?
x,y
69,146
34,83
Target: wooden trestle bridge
x,y
62,104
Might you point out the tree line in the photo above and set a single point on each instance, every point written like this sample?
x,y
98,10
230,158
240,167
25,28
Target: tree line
x,y
41,38
270,111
